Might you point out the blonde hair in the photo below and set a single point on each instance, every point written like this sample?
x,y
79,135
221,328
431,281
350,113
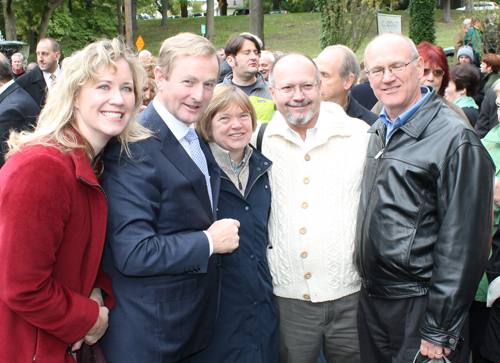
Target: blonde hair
x,y
57,117
224,96
149,64
184,44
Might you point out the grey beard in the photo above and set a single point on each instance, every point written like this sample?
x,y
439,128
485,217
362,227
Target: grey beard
x,y
299,120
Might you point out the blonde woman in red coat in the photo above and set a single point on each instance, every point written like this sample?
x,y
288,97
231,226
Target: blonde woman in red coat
x,y
53,294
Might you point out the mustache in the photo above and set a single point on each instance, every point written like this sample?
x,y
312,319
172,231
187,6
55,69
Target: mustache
x,y
298,104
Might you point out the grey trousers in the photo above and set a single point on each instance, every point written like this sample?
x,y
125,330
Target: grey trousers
x,y
304,326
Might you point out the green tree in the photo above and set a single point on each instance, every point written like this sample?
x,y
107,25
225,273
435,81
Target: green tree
x,y
422,26
346,22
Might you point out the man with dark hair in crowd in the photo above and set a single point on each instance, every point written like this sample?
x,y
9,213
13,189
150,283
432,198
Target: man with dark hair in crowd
x,y
339,69
243,53
18,111
40,80
17,61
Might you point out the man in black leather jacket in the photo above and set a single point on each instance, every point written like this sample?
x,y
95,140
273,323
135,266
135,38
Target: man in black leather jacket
x,y
425,219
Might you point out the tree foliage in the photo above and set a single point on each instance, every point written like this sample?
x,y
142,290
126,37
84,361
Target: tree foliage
x,y
346,22
422,26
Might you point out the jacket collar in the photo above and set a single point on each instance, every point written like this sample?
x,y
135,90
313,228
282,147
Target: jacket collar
x,y
83,166
420,119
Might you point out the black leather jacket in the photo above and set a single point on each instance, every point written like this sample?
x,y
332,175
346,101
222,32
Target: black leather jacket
x,y
425,218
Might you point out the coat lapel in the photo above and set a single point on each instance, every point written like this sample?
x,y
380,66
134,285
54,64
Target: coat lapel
x,y
173,150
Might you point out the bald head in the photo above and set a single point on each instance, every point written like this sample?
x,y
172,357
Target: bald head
x,y
379,43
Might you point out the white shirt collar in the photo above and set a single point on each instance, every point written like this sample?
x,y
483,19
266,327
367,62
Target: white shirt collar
x,y
178,128
46,76
5,86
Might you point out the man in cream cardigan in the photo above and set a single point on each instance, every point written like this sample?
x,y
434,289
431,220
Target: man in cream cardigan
x,y
318,155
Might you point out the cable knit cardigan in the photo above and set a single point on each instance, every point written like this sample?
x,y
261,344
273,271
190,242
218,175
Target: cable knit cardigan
x,y
315,197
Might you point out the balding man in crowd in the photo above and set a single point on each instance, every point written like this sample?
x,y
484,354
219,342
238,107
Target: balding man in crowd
x,y
17,61
40,79
243,53
18,111
265,63
339,69
318,157
425,218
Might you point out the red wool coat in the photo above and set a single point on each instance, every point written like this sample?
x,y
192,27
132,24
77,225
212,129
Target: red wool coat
x,y
52,229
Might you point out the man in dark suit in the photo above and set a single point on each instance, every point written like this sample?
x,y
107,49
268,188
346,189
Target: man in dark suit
x,y
18,111
40,80
162,238
339,69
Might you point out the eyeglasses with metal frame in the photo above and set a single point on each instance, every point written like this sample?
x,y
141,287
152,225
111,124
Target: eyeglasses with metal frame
x,y
397,68
306,88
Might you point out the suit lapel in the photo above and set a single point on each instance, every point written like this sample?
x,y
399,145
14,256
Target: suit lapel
x,y
176,154
215,172
9,90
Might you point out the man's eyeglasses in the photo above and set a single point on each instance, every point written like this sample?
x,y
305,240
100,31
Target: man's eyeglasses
x,y
397,68
435,72
306,88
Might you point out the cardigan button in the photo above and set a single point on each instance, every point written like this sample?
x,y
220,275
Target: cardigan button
x,y
307,157
303,254
307,275
306,180
303,230
306,296
305,205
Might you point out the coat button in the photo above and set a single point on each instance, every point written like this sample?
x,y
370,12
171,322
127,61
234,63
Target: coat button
x,y
307,275
255,303
307,157
252,257
303,254
258,168
305,205
265,163
452,341
265,186
303,230
306,180
306,296
247,208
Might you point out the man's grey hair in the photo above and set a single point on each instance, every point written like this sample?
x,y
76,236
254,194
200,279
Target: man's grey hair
x,y
349,64
466,22
17,55
5,69
413,49
270,54
271,71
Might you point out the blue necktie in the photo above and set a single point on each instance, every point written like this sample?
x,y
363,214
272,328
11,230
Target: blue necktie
x,y
199,158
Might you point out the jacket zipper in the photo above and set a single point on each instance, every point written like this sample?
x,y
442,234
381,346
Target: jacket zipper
x,y
251,186
36,344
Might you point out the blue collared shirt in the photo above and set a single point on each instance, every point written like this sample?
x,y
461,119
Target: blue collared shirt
x,y
401,119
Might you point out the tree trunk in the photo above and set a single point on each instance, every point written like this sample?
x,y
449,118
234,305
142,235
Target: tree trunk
x,y
210,20
44,24
184,10
128,24
10,20
164,12
257,19
446,11
119,11
469,6
276,4
223,9
134,15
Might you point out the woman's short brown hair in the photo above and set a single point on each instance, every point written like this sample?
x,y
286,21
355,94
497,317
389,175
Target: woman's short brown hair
x,y
222,99
493,61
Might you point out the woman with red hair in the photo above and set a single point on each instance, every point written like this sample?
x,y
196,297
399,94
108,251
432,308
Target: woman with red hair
x,y
436,71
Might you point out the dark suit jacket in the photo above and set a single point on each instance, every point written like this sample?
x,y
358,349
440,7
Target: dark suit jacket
x,y
165,285
363,93
354,109
488,117
18,112
34,83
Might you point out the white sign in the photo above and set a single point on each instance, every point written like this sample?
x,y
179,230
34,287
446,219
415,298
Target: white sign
x,y
389,23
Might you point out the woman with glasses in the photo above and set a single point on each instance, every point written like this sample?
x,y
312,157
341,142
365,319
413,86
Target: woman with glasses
x,y
463,85
247,325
